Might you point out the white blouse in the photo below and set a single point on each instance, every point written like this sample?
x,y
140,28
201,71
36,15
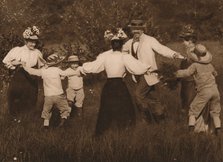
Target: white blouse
x,y
115,64
23,54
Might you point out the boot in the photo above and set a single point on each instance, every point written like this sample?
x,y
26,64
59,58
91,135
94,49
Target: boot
x,y
62,122
217,131
191,128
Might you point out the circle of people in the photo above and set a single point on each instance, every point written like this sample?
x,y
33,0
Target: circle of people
x,y
135,55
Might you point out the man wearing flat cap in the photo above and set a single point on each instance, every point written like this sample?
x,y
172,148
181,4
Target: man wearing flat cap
x,y
142,47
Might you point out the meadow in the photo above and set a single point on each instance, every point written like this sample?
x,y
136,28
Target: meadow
x,y
168,141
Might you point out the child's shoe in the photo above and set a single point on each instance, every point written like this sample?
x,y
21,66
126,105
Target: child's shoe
x,y
191,128
217,131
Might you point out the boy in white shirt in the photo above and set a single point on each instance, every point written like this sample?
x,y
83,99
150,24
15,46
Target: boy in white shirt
x,y
75,91
53,91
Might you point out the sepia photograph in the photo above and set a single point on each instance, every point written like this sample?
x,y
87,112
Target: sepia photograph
x,y
111,80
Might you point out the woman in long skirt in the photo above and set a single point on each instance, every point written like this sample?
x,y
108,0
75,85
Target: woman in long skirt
x,y
23,88
116,106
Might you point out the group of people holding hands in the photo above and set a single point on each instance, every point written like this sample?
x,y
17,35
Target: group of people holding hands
x,y
135,56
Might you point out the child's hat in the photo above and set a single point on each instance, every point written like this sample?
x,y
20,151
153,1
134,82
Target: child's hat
x,y
201,54
72,58
54,59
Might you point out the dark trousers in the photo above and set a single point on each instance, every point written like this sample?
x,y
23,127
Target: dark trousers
x,y
22,92
148,98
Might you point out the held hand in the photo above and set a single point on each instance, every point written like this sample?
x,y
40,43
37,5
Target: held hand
x,y
80,68
178,56
16,62
23,64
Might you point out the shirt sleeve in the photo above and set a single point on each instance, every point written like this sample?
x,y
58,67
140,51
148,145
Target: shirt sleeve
x,y
32,71
40,60
187,72
96,66
11,56
161,49
126,47
134,66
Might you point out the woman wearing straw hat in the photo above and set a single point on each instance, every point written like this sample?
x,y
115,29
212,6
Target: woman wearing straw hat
x,y
204,76
116,107
23,88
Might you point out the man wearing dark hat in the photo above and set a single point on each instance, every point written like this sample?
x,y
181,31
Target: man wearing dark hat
x,y
142,47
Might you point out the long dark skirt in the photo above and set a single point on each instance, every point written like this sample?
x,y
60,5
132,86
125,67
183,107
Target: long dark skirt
x,y
22,92
116,108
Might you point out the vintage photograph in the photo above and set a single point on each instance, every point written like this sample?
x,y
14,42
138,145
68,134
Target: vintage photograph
x,y
111,80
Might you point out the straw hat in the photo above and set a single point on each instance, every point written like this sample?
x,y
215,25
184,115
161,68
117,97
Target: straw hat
x,y
118,34
54,59
31,33
72,58
201,54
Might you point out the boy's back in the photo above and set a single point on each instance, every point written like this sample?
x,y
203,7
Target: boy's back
x,y
52,81
204,75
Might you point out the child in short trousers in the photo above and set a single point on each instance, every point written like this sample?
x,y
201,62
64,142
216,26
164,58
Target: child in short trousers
x,y
53,91
75,91
204,75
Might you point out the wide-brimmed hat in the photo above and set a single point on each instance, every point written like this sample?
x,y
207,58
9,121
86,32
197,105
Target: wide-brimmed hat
x,y
31,33
187,31
200,54
54,59
137,24
117,34
72,58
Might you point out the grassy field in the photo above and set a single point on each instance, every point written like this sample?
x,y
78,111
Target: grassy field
x,y
170,141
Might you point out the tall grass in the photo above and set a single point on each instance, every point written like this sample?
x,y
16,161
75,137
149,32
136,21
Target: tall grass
x,y
168,141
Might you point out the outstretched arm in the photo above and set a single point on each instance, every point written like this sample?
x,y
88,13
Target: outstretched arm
x,y
164,51
32,71
187,72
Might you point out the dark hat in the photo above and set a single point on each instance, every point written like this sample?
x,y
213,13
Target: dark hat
x,y
137,24
187,31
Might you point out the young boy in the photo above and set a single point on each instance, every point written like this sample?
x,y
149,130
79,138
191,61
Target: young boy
x,y
75,91
53,91
204,76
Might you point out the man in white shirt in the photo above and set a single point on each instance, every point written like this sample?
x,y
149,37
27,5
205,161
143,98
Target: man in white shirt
x,y
142,47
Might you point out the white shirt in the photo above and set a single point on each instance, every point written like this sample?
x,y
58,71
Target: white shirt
x,y
51,79
115,64
145,53
75,81
24,54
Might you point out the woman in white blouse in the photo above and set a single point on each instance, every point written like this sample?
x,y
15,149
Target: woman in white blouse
x,y
23,88
116,107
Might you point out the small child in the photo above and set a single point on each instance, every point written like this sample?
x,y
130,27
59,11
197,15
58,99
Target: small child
x,y
75,91
53,91
204,75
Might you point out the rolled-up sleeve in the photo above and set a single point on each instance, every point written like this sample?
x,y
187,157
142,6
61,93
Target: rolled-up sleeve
x,y
161,49
134,66
96,66
187,72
